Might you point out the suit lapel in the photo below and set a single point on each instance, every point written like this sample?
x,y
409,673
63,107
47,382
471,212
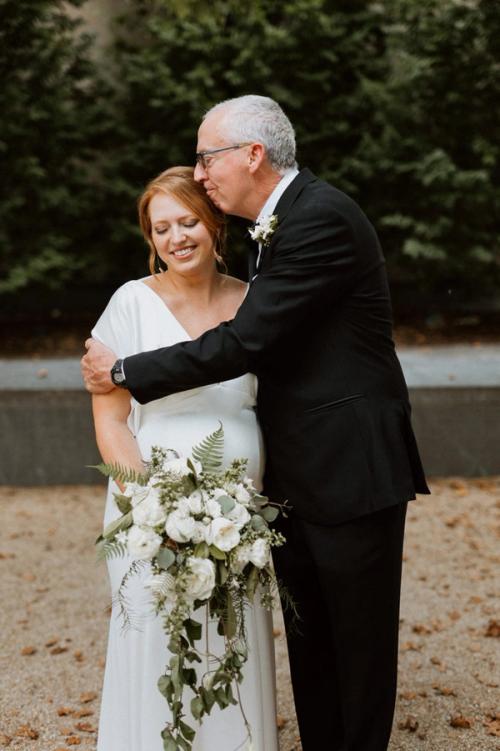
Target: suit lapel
x,y
284,205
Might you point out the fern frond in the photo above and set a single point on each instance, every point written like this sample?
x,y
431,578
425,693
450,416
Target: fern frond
x,y
210,451
107,550
119,473
130,619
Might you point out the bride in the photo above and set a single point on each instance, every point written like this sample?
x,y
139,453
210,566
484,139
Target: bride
x,y
184,296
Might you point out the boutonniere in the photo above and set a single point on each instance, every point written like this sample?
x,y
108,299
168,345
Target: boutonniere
x,y
264,229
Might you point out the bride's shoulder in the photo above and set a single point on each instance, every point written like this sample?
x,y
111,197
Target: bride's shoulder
x,y
235,288
129,289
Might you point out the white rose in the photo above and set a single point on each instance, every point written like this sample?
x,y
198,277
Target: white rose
x,y
179,527
143,542
218,492
195,502
239,515
259,553
213,508
240,558
242,495
199,534
149,512
183,506
180,467
223,533
200,580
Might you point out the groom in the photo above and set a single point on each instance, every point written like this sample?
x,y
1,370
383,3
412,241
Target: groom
x,y
333,405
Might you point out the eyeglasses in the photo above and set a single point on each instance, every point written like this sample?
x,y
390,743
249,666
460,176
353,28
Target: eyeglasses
x,y
201,156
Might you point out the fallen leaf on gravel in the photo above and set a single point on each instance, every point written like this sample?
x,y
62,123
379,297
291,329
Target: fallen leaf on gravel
x,y
3,557
83,712
63,711
28,650
88,696
25,731
5,740
280,722
78,655
28,576
51,642
73,740
66,730
410,646
459,721
61,748
421,628
454,615
443,690
58,650
459,487
408,695
492,724
493,629
85,727
410,724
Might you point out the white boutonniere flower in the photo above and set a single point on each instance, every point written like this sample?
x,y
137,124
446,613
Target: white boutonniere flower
x,y
264,229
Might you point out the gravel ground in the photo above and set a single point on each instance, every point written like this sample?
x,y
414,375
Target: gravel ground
x,y
54,615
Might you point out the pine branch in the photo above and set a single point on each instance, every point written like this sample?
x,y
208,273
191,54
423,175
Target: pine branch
x,y
210,451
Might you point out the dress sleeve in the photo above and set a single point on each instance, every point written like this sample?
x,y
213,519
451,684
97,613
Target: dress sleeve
x,y
115,326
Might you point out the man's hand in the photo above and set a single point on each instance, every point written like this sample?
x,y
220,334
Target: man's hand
x,y
96,366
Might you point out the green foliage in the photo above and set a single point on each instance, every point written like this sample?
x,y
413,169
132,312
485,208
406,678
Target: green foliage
x,y
51,128
210,451
120,473
436,195
395,102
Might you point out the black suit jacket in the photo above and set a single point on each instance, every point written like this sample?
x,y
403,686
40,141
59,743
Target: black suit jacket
x,y
316,328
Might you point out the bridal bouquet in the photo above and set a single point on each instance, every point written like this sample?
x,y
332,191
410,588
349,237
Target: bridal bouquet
x,y
203,532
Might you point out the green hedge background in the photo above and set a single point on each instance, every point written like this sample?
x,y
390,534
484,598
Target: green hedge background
x,y
396,102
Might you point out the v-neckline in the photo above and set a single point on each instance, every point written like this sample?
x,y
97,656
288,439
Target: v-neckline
x,y
164,304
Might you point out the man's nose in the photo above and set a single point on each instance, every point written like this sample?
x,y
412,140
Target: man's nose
x,y
200,173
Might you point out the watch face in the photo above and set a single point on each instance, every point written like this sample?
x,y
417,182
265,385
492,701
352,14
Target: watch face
x,y
117,374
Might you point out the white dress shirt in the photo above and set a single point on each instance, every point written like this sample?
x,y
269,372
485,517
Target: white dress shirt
x,y
272,201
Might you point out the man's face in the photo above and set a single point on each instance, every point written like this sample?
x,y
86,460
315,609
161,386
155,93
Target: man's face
x,y
225,176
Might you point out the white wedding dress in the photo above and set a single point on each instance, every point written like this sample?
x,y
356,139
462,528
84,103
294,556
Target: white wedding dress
x,y
133,712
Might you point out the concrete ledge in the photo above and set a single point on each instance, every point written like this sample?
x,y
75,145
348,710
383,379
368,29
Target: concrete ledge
x,y
47,437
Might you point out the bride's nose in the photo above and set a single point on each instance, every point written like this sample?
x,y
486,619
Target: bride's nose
x,y
178,234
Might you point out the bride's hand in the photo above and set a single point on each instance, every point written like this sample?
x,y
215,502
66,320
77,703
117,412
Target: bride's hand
x,y
96,366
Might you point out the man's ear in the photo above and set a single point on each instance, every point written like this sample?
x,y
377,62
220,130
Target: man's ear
x,y
256,155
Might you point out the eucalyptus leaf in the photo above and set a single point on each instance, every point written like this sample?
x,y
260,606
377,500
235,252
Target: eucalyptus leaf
x,y
208,698
258,523
169,743
202,550
124,522
226,503
164,558
269,513
193,630
187,731
219,555
197,708
123,502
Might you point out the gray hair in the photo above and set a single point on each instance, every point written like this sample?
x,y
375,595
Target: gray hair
x,y
259,118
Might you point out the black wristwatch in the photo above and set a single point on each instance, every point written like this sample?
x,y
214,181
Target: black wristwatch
x,y
117,374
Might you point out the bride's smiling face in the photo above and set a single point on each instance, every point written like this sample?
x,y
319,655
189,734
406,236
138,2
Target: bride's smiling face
x,y
181,239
